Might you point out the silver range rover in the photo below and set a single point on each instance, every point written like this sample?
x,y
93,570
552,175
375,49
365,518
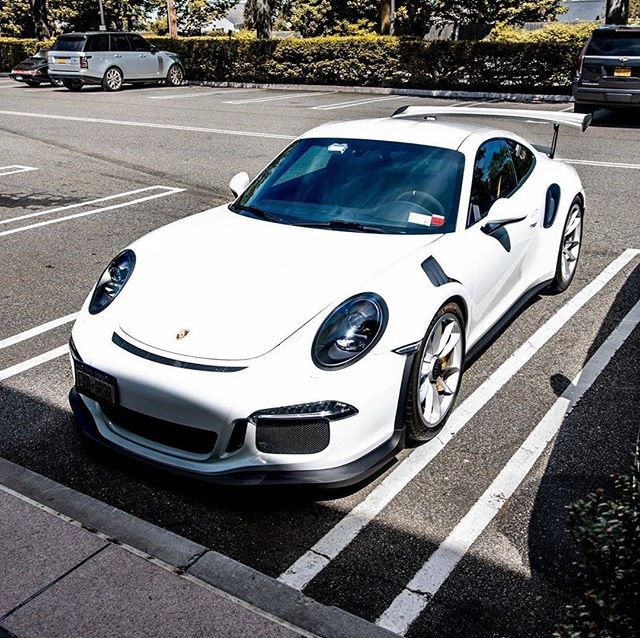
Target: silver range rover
x,y
111,59
608,70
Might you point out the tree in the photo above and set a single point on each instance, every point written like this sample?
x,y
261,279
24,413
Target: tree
x,y
339,17
194,15
261,15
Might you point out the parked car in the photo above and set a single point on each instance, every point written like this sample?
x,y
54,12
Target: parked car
x,y
111,59
300,333
608,70
33,70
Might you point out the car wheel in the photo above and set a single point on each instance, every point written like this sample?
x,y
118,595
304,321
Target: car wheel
x,y
56,82
582,108
32,83
175,75
113,79
436,374
72,85
569,251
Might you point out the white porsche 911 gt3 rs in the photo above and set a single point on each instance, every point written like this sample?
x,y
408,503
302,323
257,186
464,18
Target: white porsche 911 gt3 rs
x,y
299,334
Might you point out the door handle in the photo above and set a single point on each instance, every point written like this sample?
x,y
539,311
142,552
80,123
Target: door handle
x,y
142,55
117,56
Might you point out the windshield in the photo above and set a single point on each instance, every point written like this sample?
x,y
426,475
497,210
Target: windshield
x,y
364,185
69,43
42,53
615,43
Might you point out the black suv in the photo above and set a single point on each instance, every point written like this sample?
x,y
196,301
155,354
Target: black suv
x,y
608,70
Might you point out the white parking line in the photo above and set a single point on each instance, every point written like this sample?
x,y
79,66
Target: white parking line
x,y
173,127
38,330
360,102
33,362
410,603
279,97
193,94
604,164
168,191
81,204
312,562
15,168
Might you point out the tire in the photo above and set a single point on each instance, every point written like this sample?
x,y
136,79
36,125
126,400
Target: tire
x,y
32,83
582,108
112,79
419,428
73,85
56,82
571,241
175,75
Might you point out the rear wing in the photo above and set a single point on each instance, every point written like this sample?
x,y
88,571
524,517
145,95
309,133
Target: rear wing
x,y
556,118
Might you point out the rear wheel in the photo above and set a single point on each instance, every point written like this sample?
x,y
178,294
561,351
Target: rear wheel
x,y
175,75
113,79
32,83
569,251
56,82
436,374
73,85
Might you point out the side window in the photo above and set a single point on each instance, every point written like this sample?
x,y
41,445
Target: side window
x,y
120,43
97,43
494,176
523,160
138,43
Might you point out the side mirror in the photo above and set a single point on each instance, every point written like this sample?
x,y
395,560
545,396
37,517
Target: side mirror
x,y
500,214
239,183
153,49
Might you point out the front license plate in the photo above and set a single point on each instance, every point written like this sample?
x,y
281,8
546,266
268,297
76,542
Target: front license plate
x,y
96,385
622,72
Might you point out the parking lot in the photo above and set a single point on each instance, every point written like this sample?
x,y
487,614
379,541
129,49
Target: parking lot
x,y
84,174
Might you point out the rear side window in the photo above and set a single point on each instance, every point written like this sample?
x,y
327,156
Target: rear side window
x,y
614,43
494,176
97,43
523,160
120,43
138,43
69,43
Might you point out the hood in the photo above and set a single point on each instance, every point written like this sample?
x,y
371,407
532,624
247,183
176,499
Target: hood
x,y
241,286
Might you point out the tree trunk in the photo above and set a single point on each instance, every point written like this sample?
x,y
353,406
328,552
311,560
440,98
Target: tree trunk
x,y
385,17
40,18
617,11
263,19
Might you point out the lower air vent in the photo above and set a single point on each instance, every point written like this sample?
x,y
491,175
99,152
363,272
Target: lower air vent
x,y
291,436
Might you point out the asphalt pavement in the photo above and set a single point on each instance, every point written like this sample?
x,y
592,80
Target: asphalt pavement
x,y
84,174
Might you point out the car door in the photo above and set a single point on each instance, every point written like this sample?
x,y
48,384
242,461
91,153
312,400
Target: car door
x,y
491,264
122,56
147,65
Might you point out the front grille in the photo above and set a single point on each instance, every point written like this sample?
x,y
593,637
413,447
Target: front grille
x,y
173,435
291,436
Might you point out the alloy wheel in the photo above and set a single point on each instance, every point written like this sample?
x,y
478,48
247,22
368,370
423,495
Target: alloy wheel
x,y
571,242
114,79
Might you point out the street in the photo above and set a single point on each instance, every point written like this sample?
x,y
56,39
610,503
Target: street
x,y
84,174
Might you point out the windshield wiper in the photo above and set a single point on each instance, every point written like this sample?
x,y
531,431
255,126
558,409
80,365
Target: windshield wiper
x,y
343,224
257,212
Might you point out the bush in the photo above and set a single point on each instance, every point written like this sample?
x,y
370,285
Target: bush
x,y
553,33
12,50
607,533
369,61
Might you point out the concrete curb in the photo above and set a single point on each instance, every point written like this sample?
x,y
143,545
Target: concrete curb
x,y
376,90
224,573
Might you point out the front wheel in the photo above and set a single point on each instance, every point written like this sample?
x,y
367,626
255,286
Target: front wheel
x,y
569,250
436,374
72,85
113,79
32,83
175,75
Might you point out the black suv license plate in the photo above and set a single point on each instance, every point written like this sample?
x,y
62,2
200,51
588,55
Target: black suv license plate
x,y
96,385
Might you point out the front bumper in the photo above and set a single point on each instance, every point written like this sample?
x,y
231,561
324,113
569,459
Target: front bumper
x,y
332,478
601,96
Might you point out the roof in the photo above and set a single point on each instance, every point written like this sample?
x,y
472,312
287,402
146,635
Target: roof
x,y
85,33
410,131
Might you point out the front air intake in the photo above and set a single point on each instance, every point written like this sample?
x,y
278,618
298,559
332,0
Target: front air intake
x,y
292,436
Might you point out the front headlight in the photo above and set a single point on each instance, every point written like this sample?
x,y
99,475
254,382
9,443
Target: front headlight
x,y
350,331
112,281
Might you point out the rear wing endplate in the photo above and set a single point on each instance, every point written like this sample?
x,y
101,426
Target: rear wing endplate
x,y
574,120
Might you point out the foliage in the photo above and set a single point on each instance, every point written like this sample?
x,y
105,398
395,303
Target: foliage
x,y
335,17
373,61
193,15
554,33
607,533
634,10
16,18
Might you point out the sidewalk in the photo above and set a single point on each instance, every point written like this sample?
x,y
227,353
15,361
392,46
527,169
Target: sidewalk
x,y
59,579
71,566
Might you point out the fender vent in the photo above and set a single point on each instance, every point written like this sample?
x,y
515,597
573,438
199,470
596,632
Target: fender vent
x,y
434,271
551,205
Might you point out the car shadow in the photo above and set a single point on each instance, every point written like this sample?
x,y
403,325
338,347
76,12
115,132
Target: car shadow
x,y
616,118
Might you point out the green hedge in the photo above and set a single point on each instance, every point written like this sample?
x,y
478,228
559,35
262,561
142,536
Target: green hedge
x,y
367,61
